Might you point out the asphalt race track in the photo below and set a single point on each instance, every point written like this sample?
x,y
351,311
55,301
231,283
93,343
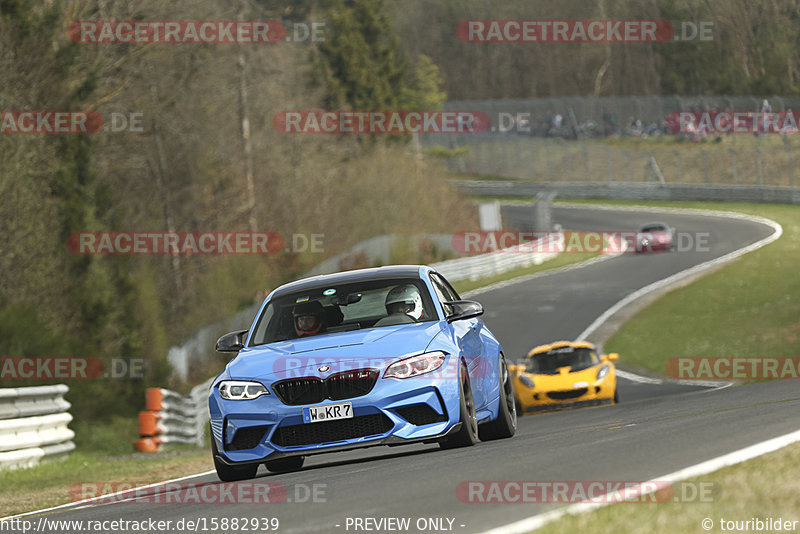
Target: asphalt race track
x,y
655,430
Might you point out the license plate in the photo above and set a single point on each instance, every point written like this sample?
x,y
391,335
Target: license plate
x,y
328,412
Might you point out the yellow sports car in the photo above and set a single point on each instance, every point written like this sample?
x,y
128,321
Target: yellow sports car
x,y
564,374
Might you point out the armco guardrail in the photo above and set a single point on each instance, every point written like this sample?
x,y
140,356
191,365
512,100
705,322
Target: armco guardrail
x,y
482,265
173,418
33,425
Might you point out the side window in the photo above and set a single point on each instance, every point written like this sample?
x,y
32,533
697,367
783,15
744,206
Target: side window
x,y
439,289
453,293
443,289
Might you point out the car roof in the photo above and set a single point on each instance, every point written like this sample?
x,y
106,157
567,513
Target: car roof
x,y
345,277
541,349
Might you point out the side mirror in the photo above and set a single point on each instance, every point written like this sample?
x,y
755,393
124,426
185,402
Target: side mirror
x,y
232,342
613,356
462,309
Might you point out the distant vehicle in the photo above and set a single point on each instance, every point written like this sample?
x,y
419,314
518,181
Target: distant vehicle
x,y
384,356
564,374
655,237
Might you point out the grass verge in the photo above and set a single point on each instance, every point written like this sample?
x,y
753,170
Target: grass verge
x,y
749,308
58,482
759,488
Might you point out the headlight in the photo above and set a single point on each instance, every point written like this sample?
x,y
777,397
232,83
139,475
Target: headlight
x,y
241,390
526,380
601,374
416,365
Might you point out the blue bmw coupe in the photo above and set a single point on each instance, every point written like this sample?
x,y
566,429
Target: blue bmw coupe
x,y
383,356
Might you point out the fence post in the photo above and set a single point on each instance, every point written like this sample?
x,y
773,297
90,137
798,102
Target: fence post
x,y
760,168
705,165
678,161
569,166
735,168
630,164
585,163
547,162
789,159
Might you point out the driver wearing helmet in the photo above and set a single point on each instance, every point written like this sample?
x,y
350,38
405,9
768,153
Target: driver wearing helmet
x,y
403,305
308,318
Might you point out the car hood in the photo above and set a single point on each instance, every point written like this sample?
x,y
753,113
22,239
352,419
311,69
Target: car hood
x,y
373,347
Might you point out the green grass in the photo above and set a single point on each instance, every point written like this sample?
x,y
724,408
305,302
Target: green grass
x,y
750,308
764,487
49,484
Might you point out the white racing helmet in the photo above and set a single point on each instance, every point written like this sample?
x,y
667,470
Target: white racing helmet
x,y
407,295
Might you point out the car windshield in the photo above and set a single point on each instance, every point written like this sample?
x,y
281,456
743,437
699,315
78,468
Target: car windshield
x,y
548,363
344,307
654,228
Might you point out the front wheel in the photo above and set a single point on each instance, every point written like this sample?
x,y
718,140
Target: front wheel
x,y
505,425
231,473
467,435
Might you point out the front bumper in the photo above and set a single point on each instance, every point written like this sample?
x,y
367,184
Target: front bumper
x,y
386,407
538,399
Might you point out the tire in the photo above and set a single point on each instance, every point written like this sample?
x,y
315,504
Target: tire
x,y
505,425
467,435
285,465
616,396
232,473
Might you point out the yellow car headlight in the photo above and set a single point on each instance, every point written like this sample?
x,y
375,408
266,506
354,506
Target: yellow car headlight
x,y
601,374
526,381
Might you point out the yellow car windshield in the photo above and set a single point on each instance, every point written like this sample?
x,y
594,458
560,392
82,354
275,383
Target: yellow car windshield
x,y
548,363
